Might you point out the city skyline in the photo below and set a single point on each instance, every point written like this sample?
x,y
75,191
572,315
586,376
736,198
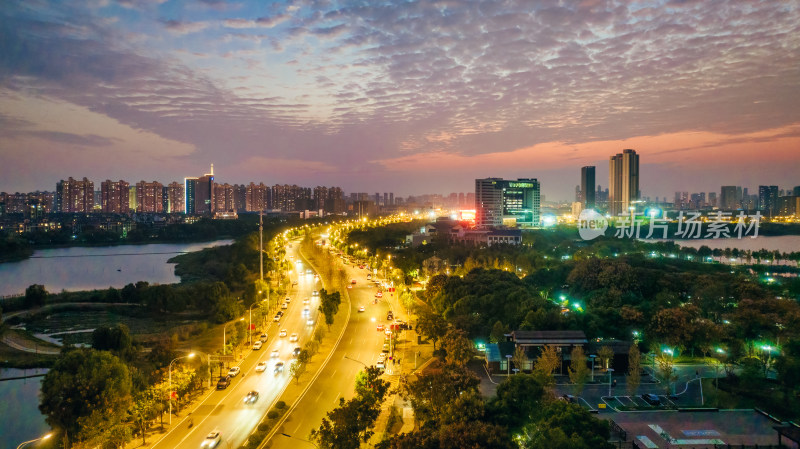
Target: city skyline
x,y
372,97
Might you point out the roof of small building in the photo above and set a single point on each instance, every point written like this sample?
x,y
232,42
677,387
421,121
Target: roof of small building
x,y
548,337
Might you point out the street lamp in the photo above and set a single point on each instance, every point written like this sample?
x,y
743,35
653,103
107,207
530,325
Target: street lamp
x,y
610,370
225,328
37,439
296,438
170,382
250,327
508,363
592,357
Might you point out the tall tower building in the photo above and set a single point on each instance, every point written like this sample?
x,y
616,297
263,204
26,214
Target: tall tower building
x,y
176,198
149,197
728,198
768,199
190,192
587,187
623,181
200,194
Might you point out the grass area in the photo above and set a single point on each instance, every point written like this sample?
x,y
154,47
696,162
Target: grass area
x,y
12,358
761,394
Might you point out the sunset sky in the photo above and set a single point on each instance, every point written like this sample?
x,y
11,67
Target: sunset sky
x,y
408,97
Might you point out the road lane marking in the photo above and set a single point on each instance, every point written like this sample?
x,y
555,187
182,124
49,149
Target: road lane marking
x,y
336,399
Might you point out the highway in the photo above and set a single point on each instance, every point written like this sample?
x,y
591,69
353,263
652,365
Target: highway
x,y
225,410
361,342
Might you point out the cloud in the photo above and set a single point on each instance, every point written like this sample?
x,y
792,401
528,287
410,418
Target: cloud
x,y
87,140
178,27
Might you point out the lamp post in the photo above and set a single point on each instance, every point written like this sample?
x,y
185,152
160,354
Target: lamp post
x,y
170,382
592,357
307,441
610,370
37,439
225,328
508,363
250,326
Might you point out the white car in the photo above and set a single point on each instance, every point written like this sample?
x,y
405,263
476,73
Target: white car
x,y
306,311
283,333
288,300
261,367
310,322
293,337
274,354
315,293
361,309
234,371
212,439
257,345
307,301
380,365
285,305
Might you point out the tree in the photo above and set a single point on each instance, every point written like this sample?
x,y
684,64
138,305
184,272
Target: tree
x,y
143,410
517,399
548,361
430,393
498,332
665,371
458,346
35,295
83,382
561,425
329,305
297,369
578,372
431,325
606,355
520,358
634,378
116,339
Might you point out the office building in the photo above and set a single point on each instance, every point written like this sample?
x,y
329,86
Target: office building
x,y
728,199
75,196
768,199
149,197
588,198
200,194
501,202
114,196
623,181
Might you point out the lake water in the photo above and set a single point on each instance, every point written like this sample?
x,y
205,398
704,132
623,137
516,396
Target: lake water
x,y
88,268
782,243
19,408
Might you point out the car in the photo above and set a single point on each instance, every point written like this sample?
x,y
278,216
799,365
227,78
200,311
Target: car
x,y
277,318
278,367
361,309
568,398
379,294
349,286
212,439
388,332
294,284
275,353
285,305
369,276
380,365
257,345
280,312
307,301
223,382
296,352
251,397
383,355
261,367
293,337
651,399
287,300
306,311
385,347
379,327
308,271
234,371
283,333
263,338
360,266
315,293
353,282
310,322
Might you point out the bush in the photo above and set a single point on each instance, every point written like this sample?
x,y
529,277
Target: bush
x,y
264,427
280,405
272,414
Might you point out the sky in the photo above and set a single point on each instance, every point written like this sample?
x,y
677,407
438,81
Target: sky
x,y
401,96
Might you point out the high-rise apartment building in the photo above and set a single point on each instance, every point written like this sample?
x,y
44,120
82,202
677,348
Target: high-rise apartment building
x,y
175,198
240,197
768,199
74,195
257,197
200,194
224,198
114,196
623,181
149,197
499,201
588,198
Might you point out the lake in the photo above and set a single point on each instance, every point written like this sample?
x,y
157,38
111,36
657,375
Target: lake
x,y
19,407
89,268
782,243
